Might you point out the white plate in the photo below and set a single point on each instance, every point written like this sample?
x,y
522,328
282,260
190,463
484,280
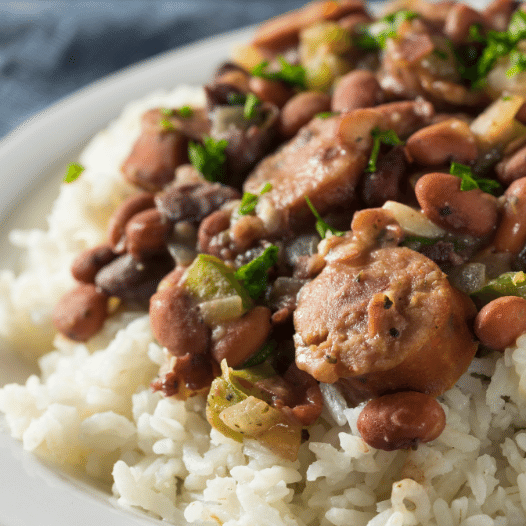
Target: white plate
x,y
32,493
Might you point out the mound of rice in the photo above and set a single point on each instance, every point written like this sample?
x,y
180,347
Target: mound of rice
x,y
92,409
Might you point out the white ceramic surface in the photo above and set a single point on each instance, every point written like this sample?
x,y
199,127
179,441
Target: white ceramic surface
x,y
32,493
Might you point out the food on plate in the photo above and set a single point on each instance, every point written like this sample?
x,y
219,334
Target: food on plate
x,y
297,296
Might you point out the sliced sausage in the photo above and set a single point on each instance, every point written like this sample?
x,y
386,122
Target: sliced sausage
x,y
390,322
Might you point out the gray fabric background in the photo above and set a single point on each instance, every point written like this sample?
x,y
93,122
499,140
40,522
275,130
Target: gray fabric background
x,y
50,49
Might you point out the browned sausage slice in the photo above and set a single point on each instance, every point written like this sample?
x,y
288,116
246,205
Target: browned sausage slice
x,y
388,323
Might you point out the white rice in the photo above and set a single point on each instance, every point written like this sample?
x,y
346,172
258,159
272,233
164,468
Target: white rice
x,y
92,408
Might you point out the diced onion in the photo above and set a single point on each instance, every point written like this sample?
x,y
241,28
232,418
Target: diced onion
x,y
413,222
220,310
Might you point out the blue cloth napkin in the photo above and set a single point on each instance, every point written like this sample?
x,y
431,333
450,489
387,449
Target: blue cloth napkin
x,y
49,49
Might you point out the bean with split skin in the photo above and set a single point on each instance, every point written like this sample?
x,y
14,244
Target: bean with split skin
x,y
471,212
442,142
300,109
81,312
147,232
176,323
86,265
357,89
243,337
499,323
511,232
401,420
117,224
246,231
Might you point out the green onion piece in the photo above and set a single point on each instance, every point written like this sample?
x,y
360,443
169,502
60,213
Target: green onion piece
x,y
470,182
167,111
209,158
321,226
254,275
251,104
73,172
388,137
289,73
249,200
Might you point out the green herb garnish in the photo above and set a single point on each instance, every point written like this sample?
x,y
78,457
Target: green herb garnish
x,y
254,275
209,158
469,181
236,99
375,35
249,200
251,105
73,172
290,73
497,44
326,114
166,124
388,137
321,226
185,111
167,111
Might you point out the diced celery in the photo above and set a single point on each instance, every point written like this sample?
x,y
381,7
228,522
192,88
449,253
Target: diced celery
x,y
507,284
237,409
208,278
322,47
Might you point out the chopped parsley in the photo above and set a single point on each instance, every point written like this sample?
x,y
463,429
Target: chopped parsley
x,y
251,105
185,111
321,226
326,114
73,172
166,125
496,45
254,275
249,200
471,182
375,35
209,158
235,99
388,137
167,111
290,73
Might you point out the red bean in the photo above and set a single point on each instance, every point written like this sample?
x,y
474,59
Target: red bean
x,y
176,323
147,233
86,265
471,212
300,109
501,322
511,232
243,337
401,420
357,89
117,224
443,142
81,312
